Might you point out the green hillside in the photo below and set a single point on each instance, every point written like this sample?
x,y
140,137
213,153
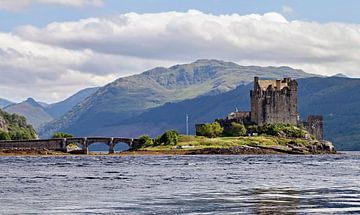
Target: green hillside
x,y
15,127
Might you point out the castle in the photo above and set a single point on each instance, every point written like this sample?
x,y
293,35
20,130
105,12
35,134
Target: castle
x,y
274,102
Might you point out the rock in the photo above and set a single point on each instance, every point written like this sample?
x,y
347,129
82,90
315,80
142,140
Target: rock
x,y
3,126
307,136
328,146
281,134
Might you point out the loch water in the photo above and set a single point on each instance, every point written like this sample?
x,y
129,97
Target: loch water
x,y
214,184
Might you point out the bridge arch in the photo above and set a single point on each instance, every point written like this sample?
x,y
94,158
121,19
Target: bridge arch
x,y
111,142
79,141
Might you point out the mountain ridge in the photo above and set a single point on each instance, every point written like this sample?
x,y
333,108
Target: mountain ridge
x,y
129,96
38,113
35,113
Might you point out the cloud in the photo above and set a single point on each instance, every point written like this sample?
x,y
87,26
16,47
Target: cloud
x,y
49,73
97,50
16,5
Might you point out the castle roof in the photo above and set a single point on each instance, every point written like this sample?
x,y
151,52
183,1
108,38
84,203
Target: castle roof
x,y
264,84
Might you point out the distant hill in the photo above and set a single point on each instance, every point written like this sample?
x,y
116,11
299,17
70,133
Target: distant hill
x,y
4,103
130,96
58,109
40,113
35,113
337,99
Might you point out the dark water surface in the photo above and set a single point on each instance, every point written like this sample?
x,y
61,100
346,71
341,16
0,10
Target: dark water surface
x,y
264,184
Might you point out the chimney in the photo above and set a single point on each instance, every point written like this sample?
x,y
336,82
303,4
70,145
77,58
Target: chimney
x,y
256,80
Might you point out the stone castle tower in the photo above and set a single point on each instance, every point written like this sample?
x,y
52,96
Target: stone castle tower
x,y
274,101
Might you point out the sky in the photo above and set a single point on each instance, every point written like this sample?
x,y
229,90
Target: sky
x,y
50,49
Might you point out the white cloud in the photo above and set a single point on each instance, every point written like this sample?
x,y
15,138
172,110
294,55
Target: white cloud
x,y
15,5
96,50
51,73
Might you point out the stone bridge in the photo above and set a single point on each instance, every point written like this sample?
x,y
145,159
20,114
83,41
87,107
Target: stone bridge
x,y
61,144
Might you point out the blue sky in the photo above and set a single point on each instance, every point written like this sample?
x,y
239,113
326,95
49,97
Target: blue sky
x,y
49,49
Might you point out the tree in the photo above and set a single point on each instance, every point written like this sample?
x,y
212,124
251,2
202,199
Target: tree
x,y
20,133
18,129
4,135
62,135
145,141
211,130
170,137
237,129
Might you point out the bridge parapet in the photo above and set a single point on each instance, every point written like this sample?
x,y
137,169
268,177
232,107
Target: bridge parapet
x,y
106,140
61,144
51,144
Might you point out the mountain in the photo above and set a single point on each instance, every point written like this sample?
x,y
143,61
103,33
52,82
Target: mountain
x,y
337,99
130,96
43,104
40,113
35,113
56,110
172,115
4,103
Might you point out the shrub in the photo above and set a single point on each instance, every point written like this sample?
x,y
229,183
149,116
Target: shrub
x,y
211,130
145,141
271,129
170,137
157,140
62,135
21,133
237,129
287,129
4,135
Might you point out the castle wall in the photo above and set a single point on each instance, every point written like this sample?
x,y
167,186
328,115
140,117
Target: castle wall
x,y
276,104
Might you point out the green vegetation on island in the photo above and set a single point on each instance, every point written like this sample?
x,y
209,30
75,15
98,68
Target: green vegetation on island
x,y
275,138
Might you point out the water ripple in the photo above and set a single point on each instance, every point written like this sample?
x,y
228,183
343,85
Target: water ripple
x,y
248,184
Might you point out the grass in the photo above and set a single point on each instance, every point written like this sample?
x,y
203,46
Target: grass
x,y
198,142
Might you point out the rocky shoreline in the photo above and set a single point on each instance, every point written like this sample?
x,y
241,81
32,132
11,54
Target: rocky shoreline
x,y
323,148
